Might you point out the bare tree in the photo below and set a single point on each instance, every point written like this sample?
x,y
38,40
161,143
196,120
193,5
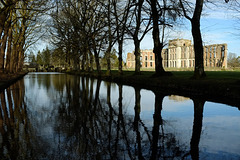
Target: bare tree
x,y
140,26
81,28
197,37
163,14
17,24
121,14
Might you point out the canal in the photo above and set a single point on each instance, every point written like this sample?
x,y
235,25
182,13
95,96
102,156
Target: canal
x,y
59,116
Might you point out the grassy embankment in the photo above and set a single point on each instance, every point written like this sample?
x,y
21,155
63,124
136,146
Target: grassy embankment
x,y
218,86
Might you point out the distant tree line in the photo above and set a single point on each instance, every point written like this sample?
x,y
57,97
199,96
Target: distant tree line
x,y
233,60
55,59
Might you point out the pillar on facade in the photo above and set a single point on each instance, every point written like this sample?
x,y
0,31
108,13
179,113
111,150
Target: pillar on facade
x,y
187,57
178,57
225,56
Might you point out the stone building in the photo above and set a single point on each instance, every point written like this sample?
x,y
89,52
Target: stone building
x,y
147,59
180,54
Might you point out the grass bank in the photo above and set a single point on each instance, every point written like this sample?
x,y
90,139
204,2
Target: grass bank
x,y
218,86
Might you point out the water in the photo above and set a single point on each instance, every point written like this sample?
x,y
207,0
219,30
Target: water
x,y
58,116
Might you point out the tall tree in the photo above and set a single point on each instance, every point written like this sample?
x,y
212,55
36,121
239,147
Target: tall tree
x,y
121,14
17,23
138,30
159,18
197,37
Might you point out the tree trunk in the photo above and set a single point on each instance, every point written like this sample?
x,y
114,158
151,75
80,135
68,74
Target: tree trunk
x,y
108,52
9,51
198,49
15,68
14,59
110,39
3,17
3,48
91,61
120,49
137,54
83,60
97,61
158,46
76,60
87,61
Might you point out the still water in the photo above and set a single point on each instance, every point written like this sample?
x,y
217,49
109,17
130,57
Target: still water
x,y
58,116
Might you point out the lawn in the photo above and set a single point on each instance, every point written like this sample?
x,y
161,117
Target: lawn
x,y
217,75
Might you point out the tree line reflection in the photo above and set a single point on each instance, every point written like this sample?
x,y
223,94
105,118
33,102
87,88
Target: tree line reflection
x,y
88,126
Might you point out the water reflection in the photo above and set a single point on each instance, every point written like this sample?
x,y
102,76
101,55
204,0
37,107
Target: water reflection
x,y
17,138
57,116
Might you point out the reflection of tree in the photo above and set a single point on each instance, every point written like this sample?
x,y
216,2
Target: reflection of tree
x,y
137,109
88,126
197,128
121,135
157,122
164,145
18,140
97,129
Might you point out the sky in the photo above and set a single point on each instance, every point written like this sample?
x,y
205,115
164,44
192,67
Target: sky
x,y
218,25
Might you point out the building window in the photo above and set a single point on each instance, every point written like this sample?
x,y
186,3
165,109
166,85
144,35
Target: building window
x,y
145,57
214,51
223,50
206,53
146,64
151,64
151,58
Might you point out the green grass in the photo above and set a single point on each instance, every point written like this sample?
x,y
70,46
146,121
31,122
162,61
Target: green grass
x,y
188,74
212,76
223,74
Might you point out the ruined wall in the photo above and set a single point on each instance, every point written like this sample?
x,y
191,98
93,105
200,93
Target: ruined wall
x,y
215,55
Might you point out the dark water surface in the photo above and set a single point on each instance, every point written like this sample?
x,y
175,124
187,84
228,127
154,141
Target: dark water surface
x,y
58,116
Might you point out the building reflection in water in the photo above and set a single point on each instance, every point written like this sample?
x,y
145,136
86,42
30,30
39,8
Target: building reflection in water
x,y
83,124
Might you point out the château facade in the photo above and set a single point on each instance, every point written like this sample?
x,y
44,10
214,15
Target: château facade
x,y
180,54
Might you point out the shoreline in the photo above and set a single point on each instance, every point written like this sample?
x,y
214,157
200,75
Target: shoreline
x,y
8,79
208,90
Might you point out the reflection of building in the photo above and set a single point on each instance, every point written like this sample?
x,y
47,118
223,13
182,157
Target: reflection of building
x,y
180,53
178,98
